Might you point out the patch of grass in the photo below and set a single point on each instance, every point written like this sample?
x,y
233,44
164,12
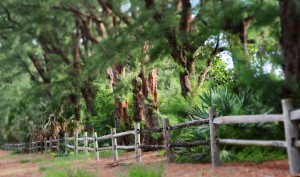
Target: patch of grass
x,y
24,161
37,160
55,165
70,173
8,156
144,171
15,151
108,153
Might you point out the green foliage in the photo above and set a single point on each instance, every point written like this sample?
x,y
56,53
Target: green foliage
x,y
47,29
55,165
24,160
15,151
257,154
109,153
104,120
144,171
70,173
227,103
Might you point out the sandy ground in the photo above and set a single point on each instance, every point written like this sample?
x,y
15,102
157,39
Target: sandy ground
x,y
30,165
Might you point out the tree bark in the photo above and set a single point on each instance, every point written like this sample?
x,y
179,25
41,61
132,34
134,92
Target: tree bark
x,y
120,111
74,100
290,41
150,105
74,97
239,29
89,97
138,115
39,68
145,97
182,54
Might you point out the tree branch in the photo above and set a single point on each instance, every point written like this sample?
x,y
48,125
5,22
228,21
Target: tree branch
x,y
107,7
27,69
39,68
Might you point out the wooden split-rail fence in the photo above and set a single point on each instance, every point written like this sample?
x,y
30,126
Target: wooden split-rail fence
x,y
290,118
35,147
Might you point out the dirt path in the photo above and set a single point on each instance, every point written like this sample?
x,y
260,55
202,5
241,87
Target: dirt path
x,y
28,165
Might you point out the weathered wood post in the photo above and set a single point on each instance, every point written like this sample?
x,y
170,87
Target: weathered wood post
x,y
85,143
291,136
114,144
137,140
58,143
213,138
96,146
76,142
33,147
66,143
50,144
167,137
45,145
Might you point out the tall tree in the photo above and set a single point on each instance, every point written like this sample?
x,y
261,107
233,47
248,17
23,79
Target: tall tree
x,y
290,40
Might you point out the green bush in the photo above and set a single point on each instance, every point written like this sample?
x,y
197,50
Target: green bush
x,y
259,154
228,103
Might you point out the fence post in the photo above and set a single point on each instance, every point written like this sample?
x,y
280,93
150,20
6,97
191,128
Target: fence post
x,y
114,144
50,144
167,136
96,146
213,138
291,136
66,143
45,145
58,143
76,142
85,142
33,147
137,137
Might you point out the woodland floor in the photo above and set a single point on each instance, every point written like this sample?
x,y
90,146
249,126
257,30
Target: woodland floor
x,y
30,165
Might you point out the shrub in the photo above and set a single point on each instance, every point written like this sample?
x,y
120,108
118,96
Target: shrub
x,y
228,103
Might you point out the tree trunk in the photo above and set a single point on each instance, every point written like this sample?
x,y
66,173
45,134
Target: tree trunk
x,y
290,41
73,103
150,105
89,97
185,83
182,54
120,111
74,98
138,115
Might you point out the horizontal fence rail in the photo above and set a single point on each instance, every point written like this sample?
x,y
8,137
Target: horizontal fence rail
x,y
36,146
295,115
189,124
151,147
152,130
291,143
248,119
190,144
123,134
252,142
